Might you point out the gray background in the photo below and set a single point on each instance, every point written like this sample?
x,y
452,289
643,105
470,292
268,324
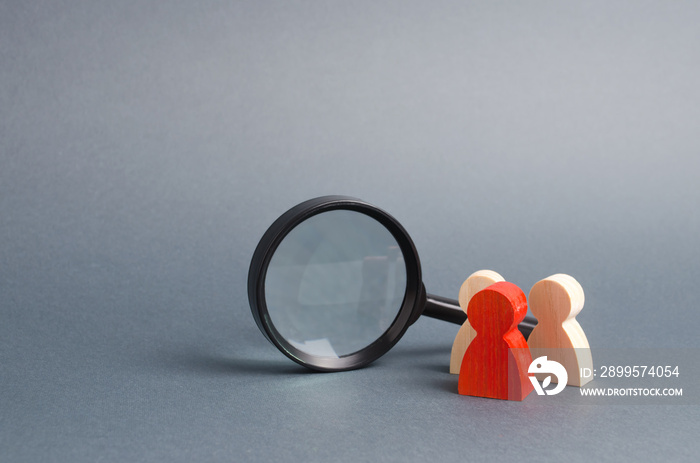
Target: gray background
x,y
146,146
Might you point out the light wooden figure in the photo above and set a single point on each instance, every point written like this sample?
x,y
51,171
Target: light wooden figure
x,y
472,285
556,301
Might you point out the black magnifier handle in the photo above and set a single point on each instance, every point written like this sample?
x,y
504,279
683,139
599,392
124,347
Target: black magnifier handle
x,y
449,310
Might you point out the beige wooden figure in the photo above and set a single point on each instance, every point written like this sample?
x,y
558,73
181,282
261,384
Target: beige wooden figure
x,y
472,285
556,301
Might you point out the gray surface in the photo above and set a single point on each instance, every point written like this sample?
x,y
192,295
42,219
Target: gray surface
x,y
145,148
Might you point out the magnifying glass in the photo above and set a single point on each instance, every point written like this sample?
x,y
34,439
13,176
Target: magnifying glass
x,y
335,282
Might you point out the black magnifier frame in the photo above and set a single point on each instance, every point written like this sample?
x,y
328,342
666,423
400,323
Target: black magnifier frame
x,y
415,302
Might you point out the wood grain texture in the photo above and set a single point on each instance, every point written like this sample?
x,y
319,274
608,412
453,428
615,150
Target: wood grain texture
x,y
556,301
496,362
477,281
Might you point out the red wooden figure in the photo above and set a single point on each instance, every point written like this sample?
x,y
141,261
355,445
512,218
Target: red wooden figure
x,y
496,362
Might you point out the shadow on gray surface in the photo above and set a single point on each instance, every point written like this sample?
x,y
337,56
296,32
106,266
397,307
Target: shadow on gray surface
x,y
191,360
447,384
215,364
400,351
437,367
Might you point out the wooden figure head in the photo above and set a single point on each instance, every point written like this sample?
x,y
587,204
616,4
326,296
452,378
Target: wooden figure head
x,y
558,298
477,281
497,309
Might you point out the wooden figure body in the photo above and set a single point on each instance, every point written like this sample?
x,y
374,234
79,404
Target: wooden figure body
x,y
496,362
556,301
476,282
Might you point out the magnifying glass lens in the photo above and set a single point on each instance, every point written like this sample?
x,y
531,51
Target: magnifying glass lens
x,y
335,283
